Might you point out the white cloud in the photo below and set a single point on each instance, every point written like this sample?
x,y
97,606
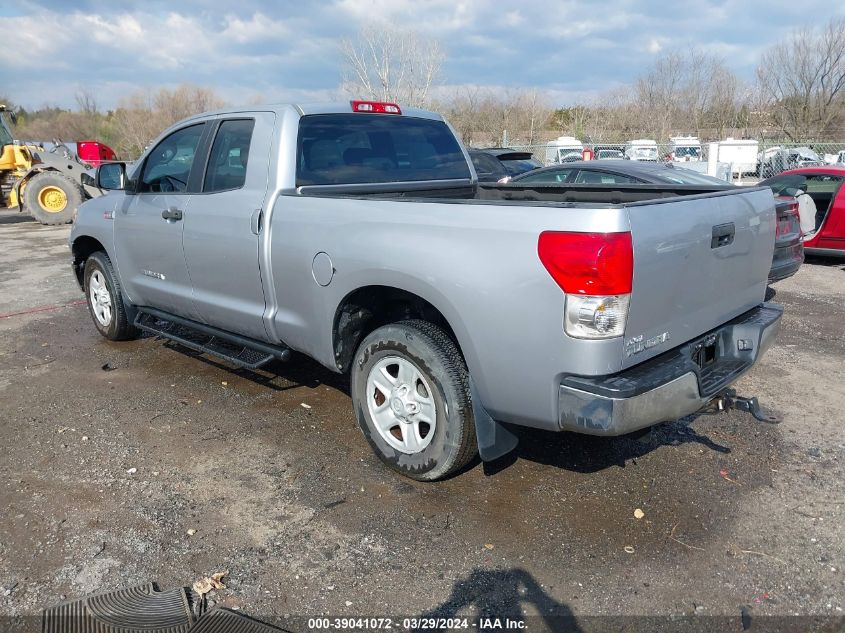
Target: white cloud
x,y
431,17
258,27
513,18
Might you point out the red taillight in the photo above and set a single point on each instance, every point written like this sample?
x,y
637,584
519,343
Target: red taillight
x,y
94,152
588,263
375,107
788,220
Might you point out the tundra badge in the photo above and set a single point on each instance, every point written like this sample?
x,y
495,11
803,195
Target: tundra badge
x,y
636,344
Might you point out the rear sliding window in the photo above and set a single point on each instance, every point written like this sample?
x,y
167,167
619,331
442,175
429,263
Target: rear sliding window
x,y
343,149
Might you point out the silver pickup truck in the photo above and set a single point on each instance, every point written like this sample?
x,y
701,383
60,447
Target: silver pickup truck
x,y
356,234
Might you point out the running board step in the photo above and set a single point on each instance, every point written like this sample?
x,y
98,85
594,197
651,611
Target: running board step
x,y
233,348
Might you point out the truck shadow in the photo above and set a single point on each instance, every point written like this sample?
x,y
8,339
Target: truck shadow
x,y
568,451
590,454
503,594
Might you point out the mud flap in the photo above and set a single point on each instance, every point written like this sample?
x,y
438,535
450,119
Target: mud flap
x,y
494,440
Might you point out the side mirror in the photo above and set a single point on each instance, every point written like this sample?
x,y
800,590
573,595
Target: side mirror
x,y
111,176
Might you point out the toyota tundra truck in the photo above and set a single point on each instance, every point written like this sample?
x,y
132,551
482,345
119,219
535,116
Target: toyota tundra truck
x,y
357,234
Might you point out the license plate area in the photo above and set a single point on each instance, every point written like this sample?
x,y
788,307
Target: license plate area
x,y
706,351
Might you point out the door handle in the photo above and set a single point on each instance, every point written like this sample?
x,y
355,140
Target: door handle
x,y
172,214
255,221
723,234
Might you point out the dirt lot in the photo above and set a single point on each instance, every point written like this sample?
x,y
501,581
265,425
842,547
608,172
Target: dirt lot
x,y
111,453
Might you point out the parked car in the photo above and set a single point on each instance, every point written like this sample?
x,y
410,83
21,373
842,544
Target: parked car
x,y
608,152
619,172
685,149
788,253
494,163
356,234
775,161
563,149
826,203
644,149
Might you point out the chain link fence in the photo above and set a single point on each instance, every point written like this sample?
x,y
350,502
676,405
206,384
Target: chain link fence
x,y
737,160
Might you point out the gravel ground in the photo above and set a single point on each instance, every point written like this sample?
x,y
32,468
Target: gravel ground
x,y
123,463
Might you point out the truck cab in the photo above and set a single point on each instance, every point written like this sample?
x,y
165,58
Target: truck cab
x,y
641,149
564,149
685,149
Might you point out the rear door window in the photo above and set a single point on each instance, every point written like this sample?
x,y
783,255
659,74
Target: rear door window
x,y
229,156
548,177
340,149
586,176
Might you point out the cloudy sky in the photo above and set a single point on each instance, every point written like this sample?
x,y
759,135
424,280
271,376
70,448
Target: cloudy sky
x,y
288,51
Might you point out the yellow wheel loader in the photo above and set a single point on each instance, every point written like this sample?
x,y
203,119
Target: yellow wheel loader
x,y
46,185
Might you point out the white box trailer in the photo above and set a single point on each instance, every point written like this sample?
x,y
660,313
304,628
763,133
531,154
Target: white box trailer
x,y
740,153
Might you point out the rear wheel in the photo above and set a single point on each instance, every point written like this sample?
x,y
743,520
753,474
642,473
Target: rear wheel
x,y
410,391
105,300
51,197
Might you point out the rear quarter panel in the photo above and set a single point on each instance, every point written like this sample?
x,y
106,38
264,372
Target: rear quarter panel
x,y
476,263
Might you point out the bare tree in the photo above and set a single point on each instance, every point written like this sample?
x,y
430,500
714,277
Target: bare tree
x,y
725,107
87,102
481,116
659,92
803,78
391,64
141,117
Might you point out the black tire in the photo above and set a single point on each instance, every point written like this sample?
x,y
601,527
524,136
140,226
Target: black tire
x,y
119,327
437,358
34,201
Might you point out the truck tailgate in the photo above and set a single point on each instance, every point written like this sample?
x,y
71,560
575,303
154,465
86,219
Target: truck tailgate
x,y
698,262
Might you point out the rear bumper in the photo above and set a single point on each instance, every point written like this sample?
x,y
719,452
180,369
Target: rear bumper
x,y
669,386
786,261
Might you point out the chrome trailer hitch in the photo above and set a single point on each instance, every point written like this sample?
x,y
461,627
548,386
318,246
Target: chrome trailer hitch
x,y
729,400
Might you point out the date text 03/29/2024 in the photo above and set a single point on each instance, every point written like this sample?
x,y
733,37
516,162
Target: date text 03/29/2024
x,y
416,624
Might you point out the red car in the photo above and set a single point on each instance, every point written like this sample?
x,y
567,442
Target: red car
x,y
824,186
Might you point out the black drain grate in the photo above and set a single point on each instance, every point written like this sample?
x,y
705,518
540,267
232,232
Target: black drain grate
x,y
225,621
141,609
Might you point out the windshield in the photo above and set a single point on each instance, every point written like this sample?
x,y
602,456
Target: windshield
x,y
609,154
645,152
5,131
514,167
341,149
683,152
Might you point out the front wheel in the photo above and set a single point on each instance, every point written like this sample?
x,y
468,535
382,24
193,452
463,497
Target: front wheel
x,y
105,300
51,197
410,391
